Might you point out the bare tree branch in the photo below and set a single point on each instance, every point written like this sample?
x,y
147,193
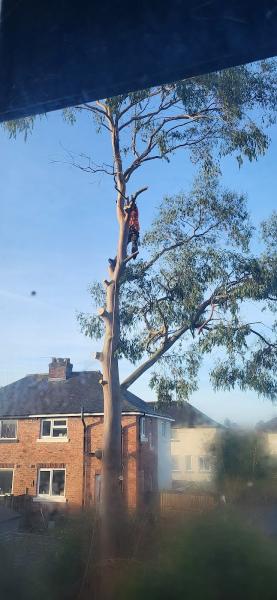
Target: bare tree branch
x,y
144,156
148,116
167,344
183,242
140,191
94,109
269,344
203,326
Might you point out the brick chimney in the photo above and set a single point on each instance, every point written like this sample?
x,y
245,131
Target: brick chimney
x,y
60,369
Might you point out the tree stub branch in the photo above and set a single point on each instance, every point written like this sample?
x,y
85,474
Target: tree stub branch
x,y
140,191
103,314
98,356
128,258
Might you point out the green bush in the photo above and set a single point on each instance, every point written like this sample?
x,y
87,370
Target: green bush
x,y
215,557
49,565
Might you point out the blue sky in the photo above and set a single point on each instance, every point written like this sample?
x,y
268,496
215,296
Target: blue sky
x,y
57,228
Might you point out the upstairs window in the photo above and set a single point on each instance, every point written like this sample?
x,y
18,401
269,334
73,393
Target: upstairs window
x,y
143,436
175,461
174,434
54,428
8,429
164,428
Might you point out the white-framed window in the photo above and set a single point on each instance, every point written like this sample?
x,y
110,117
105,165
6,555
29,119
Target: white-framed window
x,y
8,429
51,483
6,482
151,442
175,462
142,425
164,428
54,428
204,463
187,462
174,434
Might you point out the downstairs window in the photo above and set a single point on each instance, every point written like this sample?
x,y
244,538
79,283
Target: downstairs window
x,y
6,481
51,482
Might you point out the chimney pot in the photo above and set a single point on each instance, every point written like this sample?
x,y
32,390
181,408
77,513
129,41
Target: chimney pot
x,y
60,369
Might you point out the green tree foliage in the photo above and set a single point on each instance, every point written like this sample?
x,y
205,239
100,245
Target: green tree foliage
x,y
217,114
190,294
196,273
214,557
22,126
241,455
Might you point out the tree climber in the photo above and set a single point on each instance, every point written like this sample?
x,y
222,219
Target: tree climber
x,y
133,222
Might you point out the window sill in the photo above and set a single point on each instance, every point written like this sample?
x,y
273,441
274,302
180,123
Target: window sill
x,y
9,440
49,498
53,440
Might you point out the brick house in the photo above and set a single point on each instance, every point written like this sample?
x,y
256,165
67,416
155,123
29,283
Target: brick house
x,y
51,428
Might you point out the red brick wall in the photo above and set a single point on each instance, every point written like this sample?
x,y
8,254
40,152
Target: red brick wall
x,y
130,441
27,455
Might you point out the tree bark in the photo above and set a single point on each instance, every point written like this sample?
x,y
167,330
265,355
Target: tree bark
x,y
111,497
111,493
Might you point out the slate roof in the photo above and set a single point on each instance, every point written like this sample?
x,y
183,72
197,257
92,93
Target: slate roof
x,y
185,415
268,425
36,395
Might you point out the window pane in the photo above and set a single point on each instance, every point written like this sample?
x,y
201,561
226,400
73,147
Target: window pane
x,y
142,427
59,422
204,463
175,463
46,428
59,432
44,482
6,481
58,483
8,429
187,463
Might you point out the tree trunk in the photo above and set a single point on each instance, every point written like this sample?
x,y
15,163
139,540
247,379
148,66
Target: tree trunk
x,y
111,495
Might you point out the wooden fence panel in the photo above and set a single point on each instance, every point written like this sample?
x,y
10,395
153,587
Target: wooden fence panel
x,y
182,502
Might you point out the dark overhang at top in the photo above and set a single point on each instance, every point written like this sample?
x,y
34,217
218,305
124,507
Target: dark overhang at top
x,y
57,53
